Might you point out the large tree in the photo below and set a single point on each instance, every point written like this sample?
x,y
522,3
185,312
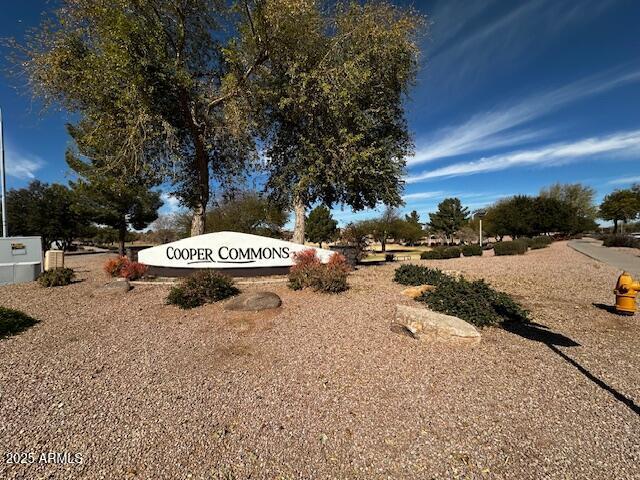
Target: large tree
x,y
118,201
332,92
449,217
165,72
578,196
388,225
46,211
321,226
620,206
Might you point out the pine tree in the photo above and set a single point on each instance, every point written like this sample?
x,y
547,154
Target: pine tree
x,y
321,227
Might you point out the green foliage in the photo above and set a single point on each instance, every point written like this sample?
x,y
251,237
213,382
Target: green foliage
x,y
44,210
621,206
356,234
164,76
435,254
333,98
200,288
14,321
579,197
522,215
473,250
411,231
451,252
418,275
540,242
56,277
388,225
450,217
619,240
515,247
321,227
110,197
473,301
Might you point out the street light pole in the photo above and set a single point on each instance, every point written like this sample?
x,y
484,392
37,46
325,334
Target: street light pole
x,y
3,180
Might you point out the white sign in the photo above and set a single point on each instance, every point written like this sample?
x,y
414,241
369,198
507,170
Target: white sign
x,y
226,250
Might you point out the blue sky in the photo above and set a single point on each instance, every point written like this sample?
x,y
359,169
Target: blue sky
x,y
511,97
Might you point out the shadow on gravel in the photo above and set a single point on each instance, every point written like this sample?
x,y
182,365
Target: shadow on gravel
x,y
540,333
606,308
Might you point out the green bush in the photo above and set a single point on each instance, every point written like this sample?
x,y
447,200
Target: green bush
x,y
473,301
515,247
439,253
431,255
200,288
57,277
451,252
619,240
540,242
472,250
418,275
14,321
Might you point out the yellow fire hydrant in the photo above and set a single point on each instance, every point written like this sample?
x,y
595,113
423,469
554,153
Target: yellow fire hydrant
x,y
626,291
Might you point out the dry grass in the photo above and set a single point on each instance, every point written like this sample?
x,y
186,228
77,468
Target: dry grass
x,y
322,388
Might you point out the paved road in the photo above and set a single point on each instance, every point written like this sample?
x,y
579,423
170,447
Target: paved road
x,y
616,258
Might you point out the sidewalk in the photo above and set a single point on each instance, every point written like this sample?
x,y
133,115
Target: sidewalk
x,y
618,259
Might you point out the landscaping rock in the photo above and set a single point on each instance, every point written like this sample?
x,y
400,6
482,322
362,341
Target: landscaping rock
x,y
428,325
114,288
415,292
254,301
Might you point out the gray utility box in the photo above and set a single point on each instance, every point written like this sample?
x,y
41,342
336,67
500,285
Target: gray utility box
x,y
20,259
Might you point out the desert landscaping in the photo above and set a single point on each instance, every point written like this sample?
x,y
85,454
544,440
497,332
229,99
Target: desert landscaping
x,y
322,387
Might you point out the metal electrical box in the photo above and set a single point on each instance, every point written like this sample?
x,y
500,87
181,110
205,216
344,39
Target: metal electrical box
x,y
20,259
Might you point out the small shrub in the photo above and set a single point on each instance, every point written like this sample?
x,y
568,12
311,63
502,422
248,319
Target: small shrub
x,y
113,266
451,252
474,301
202,287
14,321
515,247
472,250
431,255
125,268
418,275
308,271
389,257
619,240
540,242
56,277
133,270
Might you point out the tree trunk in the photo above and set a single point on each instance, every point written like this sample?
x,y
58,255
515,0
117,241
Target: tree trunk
x,y
383,244
615,226
198,222
298,229
122,235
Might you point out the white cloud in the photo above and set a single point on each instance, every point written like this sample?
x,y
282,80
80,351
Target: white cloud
x,y
622,143
494,129
624,181
21,165
421,195
171,204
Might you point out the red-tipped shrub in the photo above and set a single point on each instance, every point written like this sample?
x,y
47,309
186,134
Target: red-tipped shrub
x,y
113,266
133,270
125,268
308,271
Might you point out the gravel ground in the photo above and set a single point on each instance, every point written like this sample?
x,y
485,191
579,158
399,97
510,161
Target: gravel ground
x,y
322,388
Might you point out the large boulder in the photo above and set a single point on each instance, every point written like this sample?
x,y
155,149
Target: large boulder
x,y
254,301
427,325
415,292
114,288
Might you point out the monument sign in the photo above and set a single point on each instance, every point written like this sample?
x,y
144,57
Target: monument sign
x,y
226,250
